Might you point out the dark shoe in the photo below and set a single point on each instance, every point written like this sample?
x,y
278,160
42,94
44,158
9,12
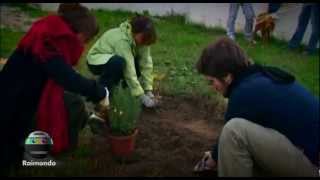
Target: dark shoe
x,y
310,53
98,125
293,48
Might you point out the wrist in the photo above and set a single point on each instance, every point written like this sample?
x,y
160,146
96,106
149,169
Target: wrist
x,y
105,100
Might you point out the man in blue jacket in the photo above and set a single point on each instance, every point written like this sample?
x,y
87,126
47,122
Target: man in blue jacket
x,y
272,122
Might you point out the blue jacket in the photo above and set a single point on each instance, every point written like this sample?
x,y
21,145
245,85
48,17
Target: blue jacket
x,y
273,99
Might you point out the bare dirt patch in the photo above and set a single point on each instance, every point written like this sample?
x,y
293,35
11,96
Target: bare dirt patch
x,y
171,140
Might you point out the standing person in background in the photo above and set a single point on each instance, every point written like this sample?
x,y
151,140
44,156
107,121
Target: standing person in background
x,y
273,7
248,11
37,74
309,11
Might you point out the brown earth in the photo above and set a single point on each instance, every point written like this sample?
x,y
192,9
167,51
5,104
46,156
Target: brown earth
x,y
170,142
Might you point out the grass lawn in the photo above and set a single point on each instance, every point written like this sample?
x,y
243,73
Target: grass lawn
x,y
175,54
178,48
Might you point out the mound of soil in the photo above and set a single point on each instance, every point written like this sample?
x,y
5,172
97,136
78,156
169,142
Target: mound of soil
x,y
171,140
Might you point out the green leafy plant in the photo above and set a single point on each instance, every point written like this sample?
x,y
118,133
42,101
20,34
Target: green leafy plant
x,y
124,111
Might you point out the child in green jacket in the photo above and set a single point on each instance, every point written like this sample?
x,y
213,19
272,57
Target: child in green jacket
x,y
124,53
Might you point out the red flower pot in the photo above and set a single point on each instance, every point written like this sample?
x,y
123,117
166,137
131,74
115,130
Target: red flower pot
x,y
123,145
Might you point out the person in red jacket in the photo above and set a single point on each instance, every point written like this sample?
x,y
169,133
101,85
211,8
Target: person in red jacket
x,y
36,75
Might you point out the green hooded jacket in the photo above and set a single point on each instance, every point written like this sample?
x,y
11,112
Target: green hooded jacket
x,y
119,41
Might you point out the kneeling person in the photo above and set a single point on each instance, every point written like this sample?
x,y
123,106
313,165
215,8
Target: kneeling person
x,y
124,53
272,121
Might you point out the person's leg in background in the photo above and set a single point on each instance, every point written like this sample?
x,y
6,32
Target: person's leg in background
x,y
273,7
249,15
233,13
314,38
245,146
301,27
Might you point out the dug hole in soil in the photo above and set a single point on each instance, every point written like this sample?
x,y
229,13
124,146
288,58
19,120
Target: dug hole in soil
x,y
171,140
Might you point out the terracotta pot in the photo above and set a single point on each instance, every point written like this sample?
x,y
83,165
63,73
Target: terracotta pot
x,y
123,146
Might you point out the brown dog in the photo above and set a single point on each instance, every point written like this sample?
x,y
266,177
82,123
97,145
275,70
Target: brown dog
x,y
265,24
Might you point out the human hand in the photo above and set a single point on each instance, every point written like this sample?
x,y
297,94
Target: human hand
x,y
150,94
147,101
206,163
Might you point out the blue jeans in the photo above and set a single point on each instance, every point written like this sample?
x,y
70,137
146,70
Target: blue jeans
x,y
309,11
248,11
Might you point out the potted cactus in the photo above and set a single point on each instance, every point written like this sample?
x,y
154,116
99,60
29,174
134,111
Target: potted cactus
x,y
124,112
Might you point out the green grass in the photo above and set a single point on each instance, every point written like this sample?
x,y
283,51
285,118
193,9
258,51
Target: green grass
x,y
175,54
178,48
8,41
304,67
30,10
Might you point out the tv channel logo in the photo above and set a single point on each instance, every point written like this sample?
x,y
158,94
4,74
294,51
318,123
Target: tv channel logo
x,y
38,144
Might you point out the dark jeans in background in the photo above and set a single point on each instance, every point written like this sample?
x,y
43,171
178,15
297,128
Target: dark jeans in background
x,y
309,11
273,7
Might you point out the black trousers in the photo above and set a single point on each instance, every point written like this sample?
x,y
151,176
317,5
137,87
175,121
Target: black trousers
x,y
11,154
111,73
